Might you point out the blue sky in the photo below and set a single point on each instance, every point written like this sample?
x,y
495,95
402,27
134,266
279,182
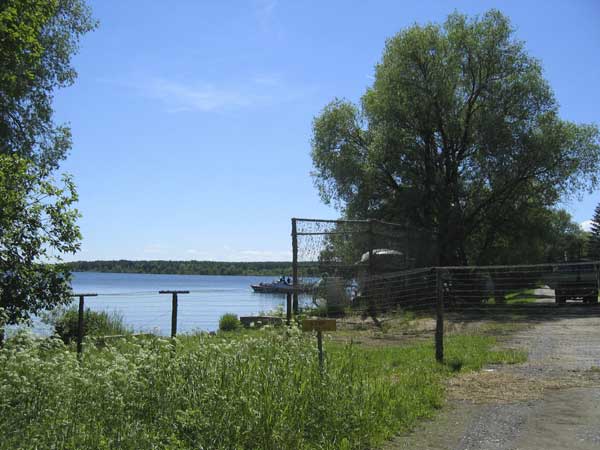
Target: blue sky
x,y
192,119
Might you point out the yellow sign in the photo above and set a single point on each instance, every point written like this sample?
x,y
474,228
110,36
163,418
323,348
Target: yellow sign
x,y
318,325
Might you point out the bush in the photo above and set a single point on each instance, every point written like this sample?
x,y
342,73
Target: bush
x,y
96,323
229,322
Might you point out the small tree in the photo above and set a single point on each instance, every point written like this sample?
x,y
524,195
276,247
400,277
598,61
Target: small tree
x,y
594,239
37,225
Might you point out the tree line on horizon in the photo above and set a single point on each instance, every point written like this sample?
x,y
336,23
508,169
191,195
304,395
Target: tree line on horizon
x,y
258,268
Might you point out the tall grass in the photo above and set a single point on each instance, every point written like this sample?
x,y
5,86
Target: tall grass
x,y
96,323
258,391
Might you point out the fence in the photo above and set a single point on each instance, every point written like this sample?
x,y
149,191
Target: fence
x,y
340,253
371,267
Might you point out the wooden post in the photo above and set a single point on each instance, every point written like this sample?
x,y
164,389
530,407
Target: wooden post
x,y
174,316
81,321
295,263
319,325
439,310
174,309
288,308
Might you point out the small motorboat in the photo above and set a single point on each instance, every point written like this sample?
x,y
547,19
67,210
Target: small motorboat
x,y
280,287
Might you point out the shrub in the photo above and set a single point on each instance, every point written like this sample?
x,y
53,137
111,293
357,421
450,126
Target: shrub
x,y
229,322
96,323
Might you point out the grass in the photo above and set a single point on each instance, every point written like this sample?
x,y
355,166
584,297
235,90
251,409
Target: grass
x,y
240,390
97,323
521,298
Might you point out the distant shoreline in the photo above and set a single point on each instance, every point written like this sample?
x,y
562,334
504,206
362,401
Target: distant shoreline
x,y
163,267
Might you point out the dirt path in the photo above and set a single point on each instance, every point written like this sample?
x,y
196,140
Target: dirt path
x,y
551,402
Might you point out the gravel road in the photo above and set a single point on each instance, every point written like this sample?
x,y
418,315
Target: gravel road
x,y
551,402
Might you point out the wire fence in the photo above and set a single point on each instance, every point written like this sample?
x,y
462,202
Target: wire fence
x,y
372,267
349,255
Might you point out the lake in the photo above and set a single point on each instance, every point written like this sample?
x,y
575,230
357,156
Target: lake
x,y
136,297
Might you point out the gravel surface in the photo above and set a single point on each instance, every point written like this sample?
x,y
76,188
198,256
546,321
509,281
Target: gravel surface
x,y
551,402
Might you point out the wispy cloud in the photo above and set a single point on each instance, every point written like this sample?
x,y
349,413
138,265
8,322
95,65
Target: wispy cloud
x,y
264,12
196,252
180,97
185,96
155,249
264,255
586,225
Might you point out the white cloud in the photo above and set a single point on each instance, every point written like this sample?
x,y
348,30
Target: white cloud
x,y
178,96
265,255
586,225
193,251
155,249
272,80
184,96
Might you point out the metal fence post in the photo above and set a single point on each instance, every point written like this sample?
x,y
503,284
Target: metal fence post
x,y
174,309
370,271
295,263
439,310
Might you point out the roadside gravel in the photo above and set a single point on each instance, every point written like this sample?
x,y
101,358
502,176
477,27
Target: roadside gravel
x,y
551,402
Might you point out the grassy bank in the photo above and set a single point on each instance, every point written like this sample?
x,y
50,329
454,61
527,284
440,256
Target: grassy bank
x,y
244,391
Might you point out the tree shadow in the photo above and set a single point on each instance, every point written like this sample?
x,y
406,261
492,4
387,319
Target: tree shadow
x,y
522,313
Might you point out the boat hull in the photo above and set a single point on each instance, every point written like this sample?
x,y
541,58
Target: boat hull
x,y
279,289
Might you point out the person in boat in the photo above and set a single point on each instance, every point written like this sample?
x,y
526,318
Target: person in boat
x,y
289,280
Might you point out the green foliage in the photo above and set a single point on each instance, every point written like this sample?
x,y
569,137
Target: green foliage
x,y
96,323
229,322
263,390
274,268
594,238
532,235
459,133
37,220
38,39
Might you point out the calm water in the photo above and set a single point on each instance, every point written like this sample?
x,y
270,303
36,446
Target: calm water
x,y
136,297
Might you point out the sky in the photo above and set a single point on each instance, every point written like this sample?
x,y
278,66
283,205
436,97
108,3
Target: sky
x,y
191,120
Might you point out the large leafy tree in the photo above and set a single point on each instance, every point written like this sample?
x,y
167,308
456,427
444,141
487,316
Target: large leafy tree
x,y
458,133
37,218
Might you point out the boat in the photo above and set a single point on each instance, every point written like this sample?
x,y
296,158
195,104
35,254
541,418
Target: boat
x,y
280,287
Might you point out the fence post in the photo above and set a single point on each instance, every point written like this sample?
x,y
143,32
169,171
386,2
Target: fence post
x,y
439,310
295,264
371,300
288,308
81,321
174,309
